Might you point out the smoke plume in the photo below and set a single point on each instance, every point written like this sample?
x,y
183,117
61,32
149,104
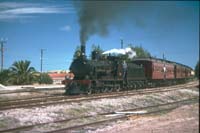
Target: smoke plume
x,y
95,17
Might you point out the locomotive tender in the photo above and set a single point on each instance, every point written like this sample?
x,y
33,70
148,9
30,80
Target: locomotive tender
x,y
115,73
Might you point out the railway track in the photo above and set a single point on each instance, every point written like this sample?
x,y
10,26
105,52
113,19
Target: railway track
x,y
49,100
32,89
106,117
61,95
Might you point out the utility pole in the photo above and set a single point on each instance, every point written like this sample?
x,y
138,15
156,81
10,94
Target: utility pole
x,y
163,56
41,59
122,44
2,41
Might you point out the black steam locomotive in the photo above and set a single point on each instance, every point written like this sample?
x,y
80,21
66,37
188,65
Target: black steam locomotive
x,y
106,73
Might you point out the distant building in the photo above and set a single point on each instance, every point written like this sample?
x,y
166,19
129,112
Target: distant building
x,y
59,75
58,71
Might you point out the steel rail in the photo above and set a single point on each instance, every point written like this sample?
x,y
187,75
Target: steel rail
x,y
61,95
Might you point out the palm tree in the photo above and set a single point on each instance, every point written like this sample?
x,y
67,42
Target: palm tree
x,y
22,73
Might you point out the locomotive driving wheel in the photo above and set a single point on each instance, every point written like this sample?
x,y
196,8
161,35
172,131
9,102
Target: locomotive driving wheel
x,y
105,90
89,90
110,89
118,88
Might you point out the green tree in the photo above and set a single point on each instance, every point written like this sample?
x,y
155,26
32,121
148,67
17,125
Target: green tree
x,y
197,70
77,53
4,77
141,52
45,79
22,73
96,51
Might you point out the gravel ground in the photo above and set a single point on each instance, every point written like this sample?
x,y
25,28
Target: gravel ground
x,y
184,119
24,95
28,116
38,86
13,96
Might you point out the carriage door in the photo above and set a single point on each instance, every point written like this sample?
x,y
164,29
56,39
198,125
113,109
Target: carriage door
x,y
175,71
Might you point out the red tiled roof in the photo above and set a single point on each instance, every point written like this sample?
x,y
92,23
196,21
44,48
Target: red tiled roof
x,y
57,75
61,75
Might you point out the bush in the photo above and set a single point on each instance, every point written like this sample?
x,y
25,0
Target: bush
x,y
44,78
4,77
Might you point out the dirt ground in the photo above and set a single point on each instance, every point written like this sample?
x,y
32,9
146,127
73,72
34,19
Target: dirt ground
x,y
184,119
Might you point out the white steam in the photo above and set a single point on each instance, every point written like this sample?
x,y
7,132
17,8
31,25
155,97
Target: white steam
x,y
124,51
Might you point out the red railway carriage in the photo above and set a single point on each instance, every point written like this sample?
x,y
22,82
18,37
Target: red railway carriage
x,y
188,72
182,71
170,71
156,68
162,70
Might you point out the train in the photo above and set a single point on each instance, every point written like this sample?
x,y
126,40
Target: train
x,y
110,73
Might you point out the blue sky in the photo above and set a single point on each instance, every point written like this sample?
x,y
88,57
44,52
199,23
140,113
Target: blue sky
x,y
160,27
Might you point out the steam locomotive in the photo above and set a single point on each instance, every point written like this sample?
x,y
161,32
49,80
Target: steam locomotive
x,y
117,73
